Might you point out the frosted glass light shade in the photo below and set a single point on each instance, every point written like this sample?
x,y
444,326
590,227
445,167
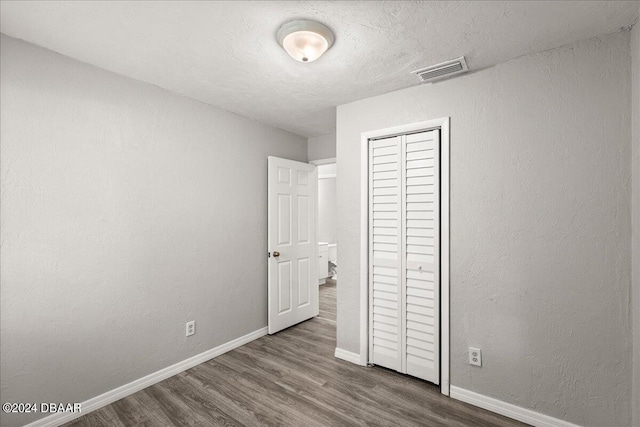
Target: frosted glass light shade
x,y
305,46
305,40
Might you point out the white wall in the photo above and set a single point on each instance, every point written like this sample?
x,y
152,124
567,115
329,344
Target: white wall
x,y
540,225
327,203
635,108
126,212
322,147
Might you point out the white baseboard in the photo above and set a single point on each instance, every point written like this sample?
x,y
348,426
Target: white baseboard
x,y
507,409
111,396
348,356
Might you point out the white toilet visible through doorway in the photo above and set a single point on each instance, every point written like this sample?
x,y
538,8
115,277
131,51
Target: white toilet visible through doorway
x,y
333,261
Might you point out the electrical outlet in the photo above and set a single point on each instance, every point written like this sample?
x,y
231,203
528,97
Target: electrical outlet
x,y
191,328
475,356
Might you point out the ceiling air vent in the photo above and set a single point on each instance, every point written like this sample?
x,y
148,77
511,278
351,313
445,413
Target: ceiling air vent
x,y
440,71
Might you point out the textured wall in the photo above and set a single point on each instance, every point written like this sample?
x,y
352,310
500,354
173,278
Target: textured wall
x,y
635,108
540,225
126,212
322,147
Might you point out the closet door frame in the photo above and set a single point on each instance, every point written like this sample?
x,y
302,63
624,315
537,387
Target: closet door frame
x,y
443,125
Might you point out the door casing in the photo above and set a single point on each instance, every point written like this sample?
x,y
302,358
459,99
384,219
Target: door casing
x,y
443,125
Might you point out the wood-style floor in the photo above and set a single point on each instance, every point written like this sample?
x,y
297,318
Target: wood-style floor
x,y
328,300
291,379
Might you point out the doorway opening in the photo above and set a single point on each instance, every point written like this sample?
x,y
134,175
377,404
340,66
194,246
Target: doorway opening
x,y
327,238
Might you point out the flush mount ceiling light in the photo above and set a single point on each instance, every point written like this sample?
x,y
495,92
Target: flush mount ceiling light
x,y
305,40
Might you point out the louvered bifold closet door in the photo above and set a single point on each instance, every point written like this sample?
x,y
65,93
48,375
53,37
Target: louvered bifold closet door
x,y
385,269
420,228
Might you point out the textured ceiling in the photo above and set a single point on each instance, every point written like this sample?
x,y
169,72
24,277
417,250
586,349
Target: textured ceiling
x,y
225,53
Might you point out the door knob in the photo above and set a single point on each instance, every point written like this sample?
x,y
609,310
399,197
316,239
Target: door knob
x,y
276,254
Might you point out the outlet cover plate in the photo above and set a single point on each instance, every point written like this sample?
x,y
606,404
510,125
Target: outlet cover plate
x,y
475,356
190,328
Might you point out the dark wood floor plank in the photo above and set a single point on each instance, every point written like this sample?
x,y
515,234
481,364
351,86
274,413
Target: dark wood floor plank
x,y
97,418
200,402
174,407
361,410
272,368
327,297
242,411
129,412
278,408
303,386
291,403
291,379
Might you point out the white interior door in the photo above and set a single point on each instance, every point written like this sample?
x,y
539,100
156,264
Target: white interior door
x,y
421,254
292,206
385,260
404,261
